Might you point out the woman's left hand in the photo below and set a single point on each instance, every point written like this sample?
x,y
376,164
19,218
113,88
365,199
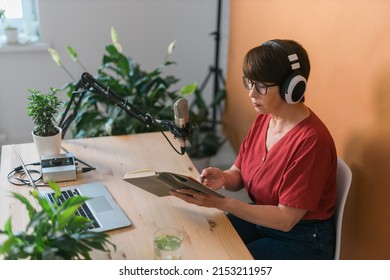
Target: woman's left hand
x,y
198,198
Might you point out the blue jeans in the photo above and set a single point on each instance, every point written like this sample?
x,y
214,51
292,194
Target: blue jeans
x,y
308,240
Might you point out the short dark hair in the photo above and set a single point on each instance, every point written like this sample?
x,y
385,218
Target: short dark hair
x,y
269,63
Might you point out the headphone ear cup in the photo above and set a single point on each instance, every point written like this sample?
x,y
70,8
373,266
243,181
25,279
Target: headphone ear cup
x,y
293,88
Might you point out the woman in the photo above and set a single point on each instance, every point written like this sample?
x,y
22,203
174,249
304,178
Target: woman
x,y
287,163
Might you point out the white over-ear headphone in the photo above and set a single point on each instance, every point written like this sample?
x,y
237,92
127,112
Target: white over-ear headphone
x,y
294,86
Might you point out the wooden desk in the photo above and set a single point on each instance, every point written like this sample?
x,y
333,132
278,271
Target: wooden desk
x,y
209,234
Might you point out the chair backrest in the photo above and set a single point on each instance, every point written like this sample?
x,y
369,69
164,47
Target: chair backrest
x,y
343,182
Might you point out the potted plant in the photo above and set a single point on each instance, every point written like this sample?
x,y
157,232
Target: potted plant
x,y
53,232
43,108
148,91
11,32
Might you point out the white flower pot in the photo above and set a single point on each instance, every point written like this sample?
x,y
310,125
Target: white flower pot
x,y
12,36
48,145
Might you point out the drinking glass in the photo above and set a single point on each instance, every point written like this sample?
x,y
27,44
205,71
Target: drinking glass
x,y
168,243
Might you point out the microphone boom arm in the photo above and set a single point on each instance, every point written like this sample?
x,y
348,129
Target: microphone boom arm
x,y
89,83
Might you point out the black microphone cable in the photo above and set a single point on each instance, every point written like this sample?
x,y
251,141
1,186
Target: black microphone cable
x,y
172,129
81,169
17,175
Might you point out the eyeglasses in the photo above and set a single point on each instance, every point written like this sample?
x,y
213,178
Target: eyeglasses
x,y
261,88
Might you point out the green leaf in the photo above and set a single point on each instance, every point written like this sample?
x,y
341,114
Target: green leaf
x,y
11,248
31,210
8,227
55,188
68,209
78,223
114,39
114,35
72,53
171,47
43,203
189,89
55,56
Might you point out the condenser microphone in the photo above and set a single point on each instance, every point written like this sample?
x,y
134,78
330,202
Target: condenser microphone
x,y
182,120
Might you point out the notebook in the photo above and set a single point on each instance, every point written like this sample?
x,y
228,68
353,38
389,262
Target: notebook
x,y
101,208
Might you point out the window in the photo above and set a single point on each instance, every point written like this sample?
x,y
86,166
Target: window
x,y
23,15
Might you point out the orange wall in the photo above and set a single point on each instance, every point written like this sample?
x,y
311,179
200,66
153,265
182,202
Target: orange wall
x,y
348,42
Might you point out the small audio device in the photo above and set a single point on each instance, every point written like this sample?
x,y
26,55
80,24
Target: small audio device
x,y
58,168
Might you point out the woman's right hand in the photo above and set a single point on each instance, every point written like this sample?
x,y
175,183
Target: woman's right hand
x,y
212,178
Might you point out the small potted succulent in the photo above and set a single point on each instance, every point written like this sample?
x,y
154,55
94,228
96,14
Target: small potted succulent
x,y
43,109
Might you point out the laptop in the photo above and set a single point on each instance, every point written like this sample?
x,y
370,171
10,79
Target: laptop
x,y
101,208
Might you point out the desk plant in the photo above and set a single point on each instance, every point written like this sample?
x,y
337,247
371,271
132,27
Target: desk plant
x,y
43,109
150,92
53,232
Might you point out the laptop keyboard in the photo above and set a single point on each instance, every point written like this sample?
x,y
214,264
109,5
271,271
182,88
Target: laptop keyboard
x,y
83,211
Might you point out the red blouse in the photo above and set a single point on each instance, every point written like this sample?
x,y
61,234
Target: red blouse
x,y
298,171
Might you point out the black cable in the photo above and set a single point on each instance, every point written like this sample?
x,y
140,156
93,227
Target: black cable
x,y
166,137
83,169
17,176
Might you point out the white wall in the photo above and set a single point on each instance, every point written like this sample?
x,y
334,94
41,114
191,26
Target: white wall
x,y
145,29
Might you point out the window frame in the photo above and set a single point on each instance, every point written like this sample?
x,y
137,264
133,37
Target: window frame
x,y
30,15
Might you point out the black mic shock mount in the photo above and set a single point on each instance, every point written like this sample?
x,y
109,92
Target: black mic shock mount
x,y
182,133
88,83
